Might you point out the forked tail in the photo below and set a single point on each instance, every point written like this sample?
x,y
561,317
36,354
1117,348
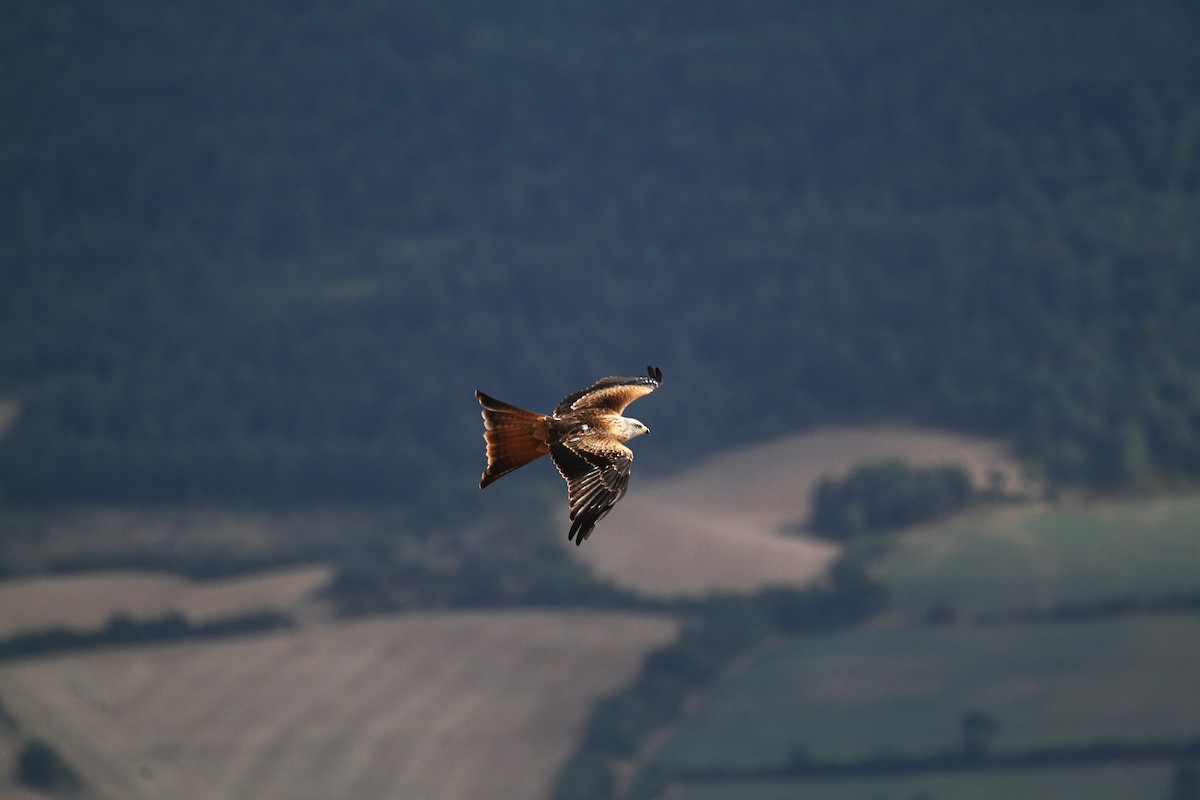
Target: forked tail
x,y
514,437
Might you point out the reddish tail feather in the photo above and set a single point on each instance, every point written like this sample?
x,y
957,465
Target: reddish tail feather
x,y
514,437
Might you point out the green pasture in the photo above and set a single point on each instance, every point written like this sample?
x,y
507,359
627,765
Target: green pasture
x,y
861,693
1102,783
1041,556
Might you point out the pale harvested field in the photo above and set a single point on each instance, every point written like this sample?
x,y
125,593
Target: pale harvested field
x,y
452,706
719,525
87,601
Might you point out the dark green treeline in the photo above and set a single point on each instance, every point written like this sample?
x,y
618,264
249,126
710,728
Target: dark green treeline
x,y
267,252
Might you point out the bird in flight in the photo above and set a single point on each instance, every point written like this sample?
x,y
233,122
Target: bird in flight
x,y
585,437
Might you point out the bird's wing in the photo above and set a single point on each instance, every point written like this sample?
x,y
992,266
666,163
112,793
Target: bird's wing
x,y
596,468
613,393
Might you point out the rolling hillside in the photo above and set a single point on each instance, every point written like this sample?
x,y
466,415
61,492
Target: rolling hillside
x,y
472,679
745,497
1053,619
256,257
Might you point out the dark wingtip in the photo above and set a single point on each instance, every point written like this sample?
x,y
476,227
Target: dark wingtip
x,y
579,531
654,372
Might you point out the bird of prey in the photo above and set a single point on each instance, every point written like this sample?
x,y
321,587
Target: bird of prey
x,y
585,437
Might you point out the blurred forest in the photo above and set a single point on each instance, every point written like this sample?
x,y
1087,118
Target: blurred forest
x,y
264,252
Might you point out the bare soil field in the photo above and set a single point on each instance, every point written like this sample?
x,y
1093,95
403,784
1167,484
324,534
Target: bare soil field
x,y
84,602
719,526
452,706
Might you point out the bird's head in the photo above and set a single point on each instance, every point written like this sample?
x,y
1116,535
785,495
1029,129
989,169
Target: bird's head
x,y
633,427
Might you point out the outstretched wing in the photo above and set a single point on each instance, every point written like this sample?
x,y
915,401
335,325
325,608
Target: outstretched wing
x,y
596,469
613,393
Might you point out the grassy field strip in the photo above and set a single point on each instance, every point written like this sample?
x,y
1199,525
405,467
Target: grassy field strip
x,y
865,692
438,705
1098,783
87,601
1039,556
717,526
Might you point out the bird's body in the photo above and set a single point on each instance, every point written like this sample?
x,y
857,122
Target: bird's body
x,y
585,437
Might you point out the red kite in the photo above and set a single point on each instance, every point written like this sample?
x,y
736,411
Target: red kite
x,y
585,438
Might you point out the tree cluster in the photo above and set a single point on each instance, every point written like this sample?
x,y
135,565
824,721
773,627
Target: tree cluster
x,y
40,767
123,630
887,496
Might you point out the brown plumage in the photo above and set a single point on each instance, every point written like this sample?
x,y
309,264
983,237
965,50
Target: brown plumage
x,y
585,437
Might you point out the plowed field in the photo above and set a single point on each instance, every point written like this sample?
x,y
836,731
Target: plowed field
x,y
447,706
